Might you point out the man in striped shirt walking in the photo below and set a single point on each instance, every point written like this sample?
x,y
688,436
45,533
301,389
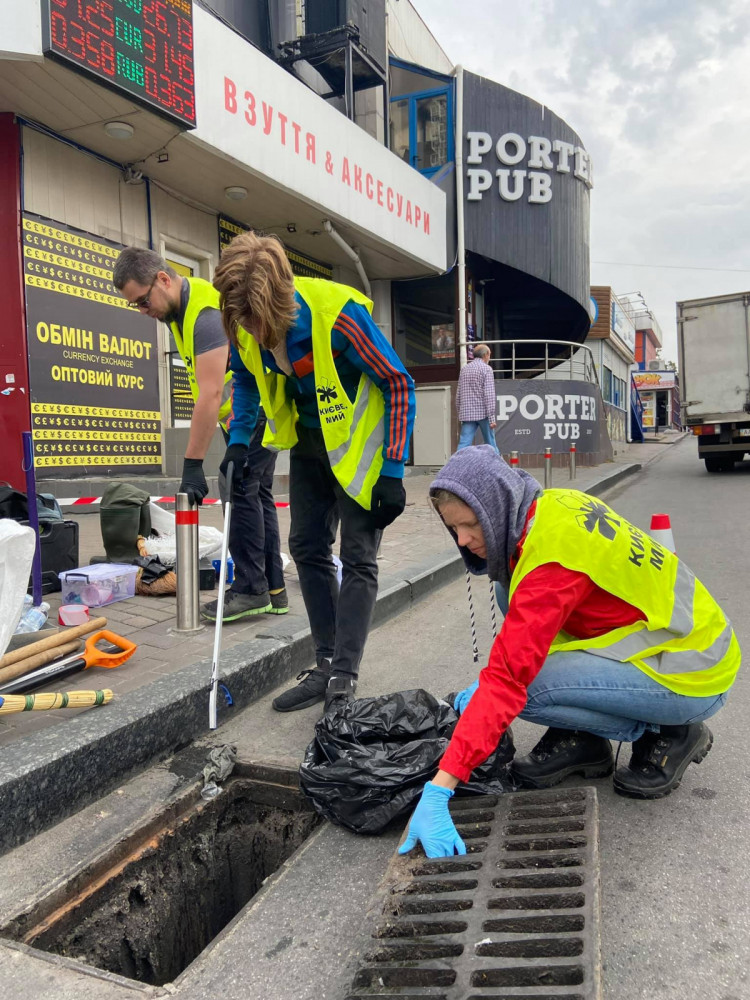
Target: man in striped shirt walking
x,y
476,401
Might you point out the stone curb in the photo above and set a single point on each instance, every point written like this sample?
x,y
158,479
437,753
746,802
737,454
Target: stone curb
x,y
598,487
52,774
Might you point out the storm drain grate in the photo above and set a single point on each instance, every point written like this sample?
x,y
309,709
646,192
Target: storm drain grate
x,y
518,916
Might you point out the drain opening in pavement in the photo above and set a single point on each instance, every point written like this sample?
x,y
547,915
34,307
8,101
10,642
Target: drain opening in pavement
x,y
151,914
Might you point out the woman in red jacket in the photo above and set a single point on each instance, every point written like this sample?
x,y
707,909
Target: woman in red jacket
x,y
607,636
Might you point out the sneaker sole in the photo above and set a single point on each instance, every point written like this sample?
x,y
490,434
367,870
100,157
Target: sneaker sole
x,y
300,705
698,754
277,611
234,618
599,769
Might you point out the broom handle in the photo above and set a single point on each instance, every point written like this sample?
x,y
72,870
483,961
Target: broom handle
x,y
43,702
32,662
54,640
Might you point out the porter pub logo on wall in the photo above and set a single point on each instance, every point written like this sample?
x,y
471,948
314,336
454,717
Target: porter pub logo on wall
x,y
522,168
530,419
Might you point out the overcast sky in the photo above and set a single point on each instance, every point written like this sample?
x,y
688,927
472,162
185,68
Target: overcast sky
x,y
659,92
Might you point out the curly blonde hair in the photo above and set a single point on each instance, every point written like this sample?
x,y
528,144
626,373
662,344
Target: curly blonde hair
x,y
256,285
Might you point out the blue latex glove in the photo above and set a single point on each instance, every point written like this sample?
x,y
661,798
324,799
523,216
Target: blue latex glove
x,y
432,825
464,697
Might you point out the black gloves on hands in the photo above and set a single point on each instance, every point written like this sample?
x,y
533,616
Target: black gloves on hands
x,y
193,481
388,500
235,453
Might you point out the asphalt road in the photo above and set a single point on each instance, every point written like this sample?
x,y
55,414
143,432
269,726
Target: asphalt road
x,y
675,912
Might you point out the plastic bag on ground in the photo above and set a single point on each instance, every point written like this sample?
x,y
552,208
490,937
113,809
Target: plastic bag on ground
x,y
17,545
164,544
368,762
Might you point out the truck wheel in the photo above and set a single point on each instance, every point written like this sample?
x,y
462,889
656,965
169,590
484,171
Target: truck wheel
x,y
719,463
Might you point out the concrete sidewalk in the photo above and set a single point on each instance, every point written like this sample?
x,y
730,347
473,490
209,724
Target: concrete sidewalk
x,y
412,543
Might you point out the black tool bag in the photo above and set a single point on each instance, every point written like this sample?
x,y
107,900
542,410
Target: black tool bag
x,y
15,505
369,761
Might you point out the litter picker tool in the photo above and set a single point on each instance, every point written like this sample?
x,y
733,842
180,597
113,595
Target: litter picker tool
x,y
212,719
43,702
91,656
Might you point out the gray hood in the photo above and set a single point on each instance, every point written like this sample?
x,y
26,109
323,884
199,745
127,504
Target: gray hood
x,y
500,498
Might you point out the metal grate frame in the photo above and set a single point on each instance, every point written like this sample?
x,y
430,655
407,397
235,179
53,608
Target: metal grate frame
x,y
517,917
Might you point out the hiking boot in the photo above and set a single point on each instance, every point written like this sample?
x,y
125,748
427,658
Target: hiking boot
x,y
279,603
560,753
310,690
340,691
237,606
659,760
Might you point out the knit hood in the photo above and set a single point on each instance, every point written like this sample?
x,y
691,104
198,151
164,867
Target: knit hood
x,y
500,498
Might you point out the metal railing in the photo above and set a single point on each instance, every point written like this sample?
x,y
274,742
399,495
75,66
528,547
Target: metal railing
x,y
537,359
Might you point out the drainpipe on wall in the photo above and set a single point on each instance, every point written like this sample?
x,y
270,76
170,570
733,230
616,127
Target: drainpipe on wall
x,y
460,240
352,254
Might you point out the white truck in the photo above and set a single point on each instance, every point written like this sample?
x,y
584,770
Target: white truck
x,y
713,337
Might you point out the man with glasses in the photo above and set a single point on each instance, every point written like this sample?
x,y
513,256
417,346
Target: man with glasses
x,y
191,308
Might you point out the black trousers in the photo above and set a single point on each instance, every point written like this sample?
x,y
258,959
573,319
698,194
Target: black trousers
x,y
254,540
339,617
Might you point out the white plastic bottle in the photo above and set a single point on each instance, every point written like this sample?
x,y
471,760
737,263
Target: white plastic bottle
x,y
34,618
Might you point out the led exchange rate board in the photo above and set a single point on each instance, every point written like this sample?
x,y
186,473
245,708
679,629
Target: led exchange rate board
x,y
143,48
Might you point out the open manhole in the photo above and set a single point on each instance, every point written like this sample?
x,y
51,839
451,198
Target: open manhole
x,y
152,907
517,916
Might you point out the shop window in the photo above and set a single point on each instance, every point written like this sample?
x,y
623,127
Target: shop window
x,y
606,384
425,334
421,119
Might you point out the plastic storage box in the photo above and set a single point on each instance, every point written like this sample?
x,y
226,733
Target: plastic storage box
x,y
103,583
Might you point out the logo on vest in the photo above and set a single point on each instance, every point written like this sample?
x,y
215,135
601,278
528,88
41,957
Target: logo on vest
x,y
326,391
595,516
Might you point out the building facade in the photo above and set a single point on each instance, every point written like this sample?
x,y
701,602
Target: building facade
x,y
167,125
612,340
458,205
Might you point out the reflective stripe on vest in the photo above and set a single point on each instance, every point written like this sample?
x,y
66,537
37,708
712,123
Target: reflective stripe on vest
x,y
201,295
686,643
354,432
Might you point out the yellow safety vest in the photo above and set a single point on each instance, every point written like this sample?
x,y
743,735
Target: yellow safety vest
x,y
686,642
353,431
202,295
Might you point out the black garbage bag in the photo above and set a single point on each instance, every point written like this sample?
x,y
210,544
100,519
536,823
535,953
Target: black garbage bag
x,y
369,761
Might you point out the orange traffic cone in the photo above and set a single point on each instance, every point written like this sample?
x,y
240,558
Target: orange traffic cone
x,y
661,531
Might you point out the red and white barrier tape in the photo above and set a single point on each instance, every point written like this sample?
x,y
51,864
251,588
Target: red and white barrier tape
x,y
92,501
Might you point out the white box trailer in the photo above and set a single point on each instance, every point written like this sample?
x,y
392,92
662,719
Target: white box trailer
x,y
713,339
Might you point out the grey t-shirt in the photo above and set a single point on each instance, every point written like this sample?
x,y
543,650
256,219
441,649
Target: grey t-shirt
x,y
209,330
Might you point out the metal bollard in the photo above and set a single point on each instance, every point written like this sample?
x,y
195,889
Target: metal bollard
x,y
513,460
188,582
548,468
572,461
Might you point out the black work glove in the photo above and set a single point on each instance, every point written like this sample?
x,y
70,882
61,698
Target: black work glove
x,y
193,481
388,500
236,453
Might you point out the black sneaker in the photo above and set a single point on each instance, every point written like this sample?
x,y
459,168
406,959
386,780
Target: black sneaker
x,y
237,606
560,753
659,760
310,690
340,691
279,603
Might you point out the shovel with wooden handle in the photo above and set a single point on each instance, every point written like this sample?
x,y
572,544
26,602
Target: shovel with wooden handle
x,y
90,657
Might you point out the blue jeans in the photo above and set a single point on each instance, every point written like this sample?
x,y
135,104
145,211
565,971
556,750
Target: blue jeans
x,y
469,429
580,690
